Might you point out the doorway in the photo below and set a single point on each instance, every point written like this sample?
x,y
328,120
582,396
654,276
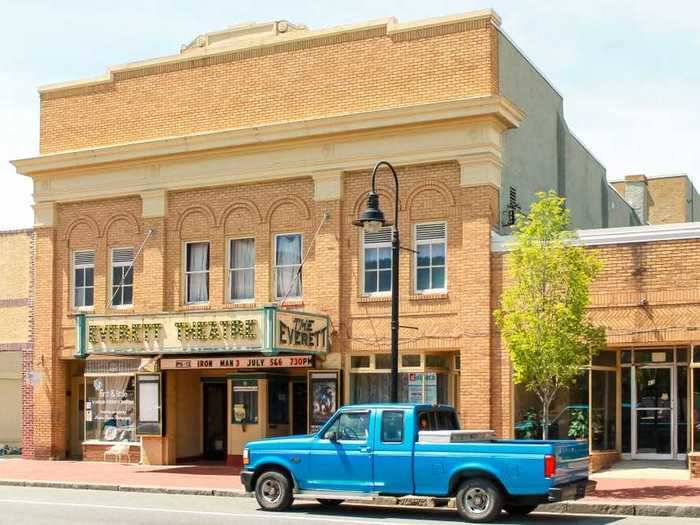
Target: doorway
x,y
214,412
653,423
299,407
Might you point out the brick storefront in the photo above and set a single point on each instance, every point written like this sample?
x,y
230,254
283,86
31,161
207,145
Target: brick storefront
x,y
258,139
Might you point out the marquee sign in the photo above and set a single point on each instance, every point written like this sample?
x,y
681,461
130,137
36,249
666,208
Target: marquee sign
x,y
267,330
238,363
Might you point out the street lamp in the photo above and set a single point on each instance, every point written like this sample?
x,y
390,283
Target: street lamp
x,y
372,220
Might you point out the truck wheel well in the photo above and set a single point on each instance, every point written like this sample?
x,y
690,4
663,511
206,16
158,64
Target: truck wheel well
x,y
273,467
464,475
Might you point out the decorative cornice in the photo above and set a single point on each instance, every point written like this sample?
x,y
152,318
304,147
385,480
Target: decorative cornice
x,y
625,235
239,49
495,107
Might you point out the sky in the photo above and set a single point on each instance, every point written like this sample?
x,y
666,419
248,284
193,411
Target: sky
x,y
629,70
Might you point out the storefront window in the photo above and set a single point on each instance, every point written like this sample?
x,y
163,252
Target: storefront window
x,y
109,408
626,410
382,361
603,396
660,355
245,401
418,387
568,413
278,402
696,354
605,358
682,411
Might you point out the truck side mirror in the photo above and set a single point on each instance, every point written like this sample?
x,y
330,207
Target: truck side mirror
x,y
332,437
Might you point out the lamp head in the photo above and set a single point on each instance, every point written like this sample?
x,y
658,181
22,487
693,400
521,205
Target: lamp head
x,y
372,218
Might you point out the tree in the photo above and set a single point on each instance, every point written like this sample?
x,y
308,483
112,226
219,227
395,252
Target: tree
x,y
543,310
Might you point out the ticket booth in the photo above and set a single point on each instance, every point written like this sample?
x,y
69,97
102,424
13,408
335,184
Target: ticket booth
x,y
261,406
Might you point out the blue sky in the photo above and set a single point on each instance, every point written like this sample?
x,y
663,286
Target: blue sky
x,y
629,70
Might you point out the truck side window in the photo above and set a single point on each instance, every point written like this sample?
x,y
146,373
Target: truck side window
x,y
392,427
425,421
446,420
350,426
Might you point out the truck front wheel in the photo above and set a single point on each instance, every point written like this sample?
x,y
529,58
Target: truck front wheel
x,y
479,500
273,491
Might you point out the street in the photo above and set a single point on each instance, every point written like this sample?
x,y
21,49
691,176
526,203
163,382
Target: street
x,y
40,506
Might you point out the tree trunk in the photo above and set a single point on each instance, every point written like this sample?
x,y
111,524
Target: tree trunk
x,y
545,417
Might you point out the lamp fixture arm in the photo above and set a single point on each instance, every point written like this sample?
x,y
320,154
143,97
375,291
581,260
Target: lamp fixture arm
x,y
396,183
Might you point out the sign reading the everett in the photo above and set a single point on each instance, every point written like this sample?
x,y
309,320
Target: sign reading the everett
x,y
191,332
302,332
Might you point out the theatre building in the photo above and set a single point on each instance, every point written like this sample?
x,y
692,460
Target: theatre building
x,y
199,281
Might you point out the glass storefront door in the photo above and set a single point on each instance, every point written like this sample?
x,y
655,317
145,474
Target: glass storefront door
x,y
653,422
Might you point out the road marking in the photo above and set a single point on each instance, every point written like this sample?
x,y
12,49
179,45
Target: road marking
x,y
265,516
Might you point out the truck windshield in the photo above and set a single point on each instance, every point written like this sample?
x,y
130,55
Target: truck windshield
x,y
437,420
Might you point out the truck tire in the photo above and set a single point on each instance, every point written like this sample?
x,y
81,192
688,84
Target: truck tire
x,y
519,510
479,500
330,502
273,491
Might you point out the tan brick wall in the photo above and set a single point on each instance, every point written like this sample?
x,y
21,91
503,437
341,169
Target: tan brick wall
x,y
15,252
668,200
694,461
302,81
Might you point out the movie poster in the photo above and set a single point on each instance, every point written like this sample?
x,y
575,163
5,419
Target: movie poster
x,y
323,397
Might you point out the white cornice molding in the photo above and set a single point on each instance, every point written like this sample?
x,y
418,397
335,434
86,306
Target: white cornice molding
x,y
495,107
625,235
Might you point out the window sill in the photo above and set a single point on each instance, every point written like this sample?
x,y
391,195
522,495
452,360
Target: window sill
x,y
195,307
379,298
87,310
292,302
428,296
111,443
241,305
122,309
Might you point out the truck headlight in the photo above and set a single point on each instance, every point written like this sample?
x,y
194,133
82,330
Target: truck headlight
x,y
246,458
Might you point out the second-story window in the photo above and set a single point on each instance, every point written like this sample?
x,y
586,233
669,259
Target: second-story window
x,y
430,257
122,277
287,265
241,270
197,273
377,261
84,279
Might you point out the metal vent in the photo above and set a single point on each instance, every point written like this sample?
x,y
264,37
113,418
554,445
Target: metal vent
x,y
123,255
84,258
111,366
429,232
382,236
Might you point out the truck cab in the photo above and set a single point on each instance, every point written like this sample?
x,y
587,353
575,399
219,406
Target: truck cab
x,y
365,451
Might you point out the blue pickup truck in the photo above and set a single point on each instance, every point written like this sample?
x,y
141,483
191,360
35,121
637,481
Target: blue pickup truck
x,y
365,451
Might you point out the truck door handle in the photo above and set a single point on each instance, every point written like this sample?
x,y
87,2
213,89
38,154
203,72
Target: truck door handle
x,y
365,449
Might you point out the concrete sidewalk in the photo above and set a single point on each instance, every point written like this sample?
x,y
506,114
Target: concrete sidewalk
x,y
649,497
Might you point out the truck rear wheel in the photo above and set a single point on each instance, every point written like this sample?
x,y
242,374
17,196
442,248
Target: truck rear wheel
x,y
479,500
274,491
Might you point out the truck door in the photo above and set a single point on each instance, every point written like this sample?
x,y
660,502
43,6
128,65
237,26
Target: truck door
x,y
341,458
393,452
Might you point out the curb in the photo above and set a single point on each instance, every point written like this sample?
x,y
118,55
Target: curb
x,y
231,493
623,509
573,507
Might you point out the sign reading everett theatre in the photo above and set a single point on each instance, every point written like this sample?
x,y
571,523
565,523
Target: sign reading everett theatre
x,y
204,332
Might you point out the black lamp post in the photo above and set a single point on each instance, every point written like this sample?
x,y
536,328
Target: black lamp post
x,y
371,220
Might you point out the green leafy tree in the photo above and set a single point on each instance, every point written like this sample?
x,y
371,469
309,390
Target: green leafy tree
x,y
543,310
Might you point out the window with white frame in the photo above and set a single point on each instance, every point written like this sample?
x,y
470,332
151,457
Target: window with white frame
x,y
122,277
430,257
84,279
241,270
288,265
197,272
376,258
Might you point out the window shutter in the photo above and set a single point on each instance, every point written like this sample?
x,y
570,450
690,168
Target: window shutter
x,y
382,236
84,258
123,255
430,232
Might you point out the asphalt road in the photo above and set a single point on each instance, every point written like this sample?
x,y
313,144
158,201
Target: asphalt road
x,y
40,506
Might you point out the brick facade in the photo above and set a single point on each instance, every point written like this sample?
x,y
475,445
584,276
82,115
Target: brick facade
x,y
16,298
165,198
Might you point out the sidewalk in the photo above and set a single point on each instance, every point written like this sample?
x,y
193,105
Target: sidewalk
x,y
613,495
115,476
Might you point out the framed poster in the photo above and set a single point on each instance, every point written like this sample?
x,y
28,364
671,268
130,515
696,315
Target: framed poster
x,y
324,392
